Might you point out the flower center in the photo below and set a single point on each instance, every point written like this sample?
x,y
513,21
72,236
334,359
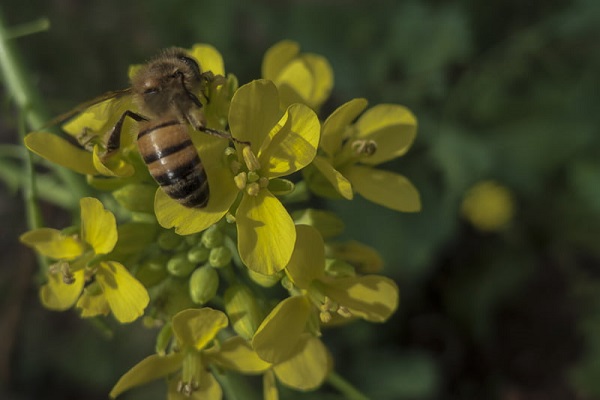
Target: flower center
x,y
326,306
364,148
190,374
246,176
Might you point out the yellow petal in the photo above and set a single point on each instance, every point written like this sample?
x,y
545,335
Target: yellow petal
x,y
307,368
223,192
322,76
208,388
307,79
392,127
294,145
209,59
371,297
102,116
236,354
308,259
296,83
365,258
254,112
384,188
57,150
59,296
147,370
92,305
336,124
126,296
333,178
112,166
198,327
53,243
243,310
266,233
98,226
277,57
277,336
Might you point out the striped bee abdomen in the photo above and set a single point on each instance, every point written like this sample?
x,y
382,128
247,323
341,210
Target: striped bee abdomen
x,y
173,161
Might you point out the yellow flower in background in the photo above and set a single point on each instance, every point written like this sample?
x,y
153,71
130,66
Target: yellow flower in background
x,y
300,77
488,206
78,258
351,151
280,143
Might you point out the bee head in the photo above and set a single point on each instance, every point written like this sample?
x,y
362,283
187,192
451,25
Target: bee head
x,y
168,83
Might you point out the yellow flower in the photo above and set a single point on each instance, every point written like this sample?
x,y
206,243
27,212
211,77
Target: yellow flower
x,y
189,377
79,258
489,206
281,143
301,78
370,297
350,152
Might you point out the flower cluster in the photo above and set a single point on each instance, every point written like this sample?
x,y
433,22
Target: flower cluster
x,y
201,274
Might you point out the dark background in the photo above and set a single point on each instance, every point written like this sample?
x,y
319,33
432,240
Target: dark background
x,y
503,89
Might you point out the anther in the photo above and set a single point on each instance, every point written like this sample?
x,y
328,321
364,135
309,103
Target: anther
x,y
250,159
252,189
240,180
364,147
344,312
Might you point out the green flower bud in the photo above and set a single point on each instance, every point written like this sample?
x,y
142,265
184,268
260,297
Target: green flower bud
x,y
327,223
280,187
163,339
265,280
168,240
243,310
137,197
180,266
204,283
339,268
173,296
192,240
153,271
220,256
212,237
198,254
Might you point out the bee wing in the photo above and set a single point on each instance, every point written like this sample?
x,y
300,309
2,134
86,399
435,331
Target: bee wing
x,y
117,94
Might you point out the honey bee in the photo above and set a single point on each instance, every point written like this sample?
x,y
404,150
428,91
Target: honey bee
x,y
166,90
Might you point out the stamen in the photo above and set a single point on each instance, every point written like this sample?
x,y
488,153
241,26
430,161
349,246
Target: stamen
x,y
250,159
344,312
364,147
325,316
252,189
67,276
240,180
253,176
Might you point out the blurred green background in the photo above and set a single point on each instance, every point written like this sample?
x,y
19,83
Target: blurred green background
x,y
503,89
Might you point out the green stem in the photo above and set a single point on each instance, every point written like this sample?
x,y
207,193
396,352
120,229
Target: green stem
x,y
17,83
344,387
28,100
39,25
34,217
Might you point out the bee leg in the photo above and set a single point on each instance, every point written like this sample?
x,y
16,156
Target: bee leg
x,y
114,137
221,134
